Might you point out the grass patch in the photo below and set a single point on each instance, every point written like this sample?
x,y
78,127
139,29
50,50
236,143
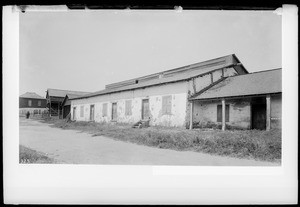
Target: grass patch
x,y
27,155
250,144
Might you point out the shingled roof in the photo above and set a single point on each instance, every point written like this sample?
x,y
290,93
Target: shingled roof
x,y
31,95
258,83
173,75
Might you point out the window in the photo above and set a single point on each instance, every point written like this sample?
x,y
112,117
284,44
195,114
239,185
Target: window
x,y
166,104
29,102
81,111
219,113
39,103
104,109
128,110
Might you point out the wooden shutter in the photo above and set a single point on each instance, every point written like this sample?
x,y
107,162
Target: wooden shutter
x,y
128,107
166,104
227,113
104,109
219,113
81,111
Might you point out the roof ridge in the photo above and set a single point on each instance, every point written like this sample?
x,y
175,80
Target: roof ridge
x,y
181,67
37,96
66,90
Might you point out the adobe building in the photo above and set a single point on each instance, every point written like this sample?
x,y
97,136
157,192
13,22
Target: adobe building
x,y
32,103
190,96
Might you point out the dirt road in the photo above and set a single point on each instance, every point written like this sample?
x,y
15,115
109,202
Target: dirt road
x,y
75,147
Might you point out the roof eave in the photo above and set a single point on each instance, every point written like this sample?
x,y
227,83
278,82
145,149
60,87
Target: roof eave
x,y
232,97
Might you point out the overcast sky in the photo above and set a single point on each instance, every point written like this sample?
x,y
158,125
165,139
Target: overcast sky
x,y
85,50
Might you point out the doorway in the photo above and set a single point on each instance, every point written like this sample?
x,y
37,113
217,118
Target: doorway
x,y
258,112
74,113
145,109
92,112
114,112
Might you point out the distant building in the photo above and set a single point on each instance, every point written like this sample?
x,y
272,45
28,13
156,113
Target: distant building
x,y
55,98
218,93
33,103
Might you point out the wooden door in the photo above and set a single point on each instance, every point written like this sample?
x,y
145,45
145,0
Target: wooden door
x,y
92,112
74,113
259,116
66,111
145,109
114,112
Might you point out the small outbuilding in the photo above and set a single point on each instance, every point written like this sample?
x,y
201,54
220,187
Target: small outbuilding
x,y
250,101
55,98
66,103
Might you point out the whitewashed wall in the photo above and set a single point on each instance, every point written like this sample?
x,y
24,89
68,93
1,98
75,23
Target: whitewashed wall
x,y
154,94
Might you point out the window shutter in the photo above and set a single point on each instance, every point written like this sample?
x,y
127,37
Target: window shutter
x,y
227,113
81,111
219,113
166,104
104,109
128,107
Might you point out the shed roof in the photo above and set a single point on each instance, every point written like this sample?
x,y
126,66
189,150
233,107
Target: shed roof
x,y
70,96
173,75
63,93
31,95
263,82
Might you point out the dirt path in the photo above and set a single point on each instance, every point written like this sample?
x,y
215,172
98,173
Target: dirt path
x,y
69,146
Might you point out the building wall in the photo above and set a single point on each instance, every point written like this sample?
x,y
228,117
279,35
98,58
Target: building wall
x,y
276,108
197,84
32,111
23,103
205,114
154,94
229,72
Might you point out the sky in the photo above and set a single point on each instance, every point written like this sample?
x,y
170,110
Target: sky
x,y
85,50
